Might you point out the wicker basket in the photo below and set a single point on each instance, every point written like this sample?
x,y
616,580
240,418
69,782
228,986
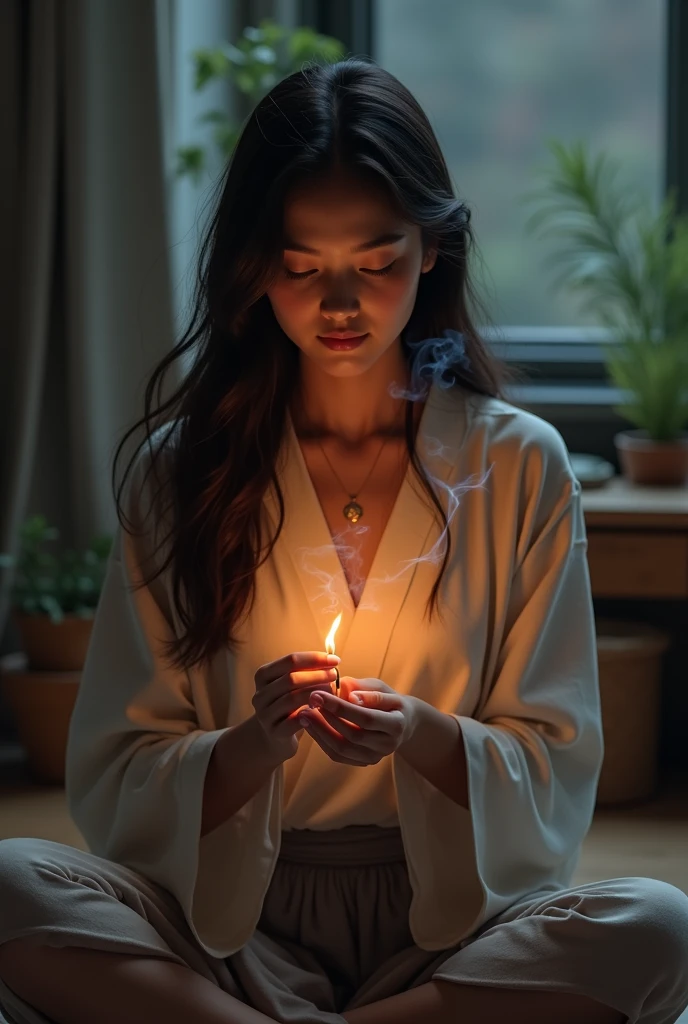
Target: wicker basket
x,y
630,663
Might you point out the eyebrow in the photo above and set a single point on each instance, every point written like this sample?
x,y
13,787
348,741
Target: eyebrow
x,y
375,243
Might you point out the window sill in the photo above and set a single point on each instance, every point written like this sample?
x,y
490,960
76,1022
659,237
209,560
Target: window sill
x,y
566,377
570,401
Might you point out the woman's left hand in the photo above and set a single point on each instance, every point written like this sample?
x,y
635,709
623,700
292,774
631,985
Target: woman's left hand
x,y
360,733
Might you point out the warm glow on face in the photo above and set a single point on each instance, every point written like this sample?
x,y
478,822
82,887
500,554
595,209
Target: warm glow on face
x,y
329,643
333,216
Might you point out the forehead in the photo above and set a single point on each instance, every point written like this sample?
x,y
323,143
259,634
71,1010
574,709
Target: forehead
x,y
338,207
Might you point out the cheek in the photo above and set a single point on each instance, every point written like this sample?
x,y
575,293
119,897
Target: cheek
x,y
399,294
288,306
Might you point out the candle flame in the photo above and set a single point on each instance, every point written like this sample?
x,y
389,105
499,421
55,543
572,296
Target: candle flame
x,y
329,643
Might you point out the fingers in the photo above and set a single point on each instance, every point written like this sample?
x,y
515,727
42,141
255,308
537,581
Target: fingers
x,y
344,742
282,715
371,739
377,699
297,685
289,706
338,749
388,722
298,661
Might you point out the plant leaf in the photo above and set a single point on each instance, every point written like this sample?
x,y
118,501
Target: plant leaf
x,y
191,161
210,64
632,267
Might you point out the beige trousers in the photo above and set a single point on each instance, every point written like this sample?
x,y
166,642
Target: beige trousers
x,y
334,933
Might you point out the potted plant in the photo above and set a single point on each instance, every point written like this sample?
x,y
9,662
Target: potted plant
x,y
632,267
262,57
54,598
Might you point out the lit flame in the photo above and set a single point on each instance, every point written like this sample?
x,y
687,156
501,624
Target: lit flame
x,y
329,643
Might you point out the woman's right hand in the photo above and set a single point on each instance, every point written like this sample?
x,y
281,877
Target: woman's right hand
x,y
283,688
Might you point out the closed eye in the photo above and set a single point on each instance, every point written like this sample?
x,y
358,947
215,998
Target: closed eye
x,y
381,271
295,276
364,270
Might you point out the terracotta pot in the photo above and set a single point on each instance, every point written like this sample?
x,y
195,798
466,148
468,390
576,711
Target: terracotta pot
x,y
42,705
54,647
658,463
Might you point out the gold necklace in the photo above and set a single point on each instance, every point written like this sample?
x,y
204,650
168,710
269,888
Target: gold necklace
x,y
353,510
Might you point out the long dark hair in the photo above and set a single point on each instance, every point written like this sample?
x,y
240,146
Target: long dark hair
x,y
229,412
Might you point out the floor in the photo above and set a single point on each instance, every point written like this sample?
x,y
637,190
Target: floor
x,y
650,839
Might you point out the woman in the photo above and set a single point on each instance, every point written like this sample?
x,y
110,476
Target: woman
x,y
264,846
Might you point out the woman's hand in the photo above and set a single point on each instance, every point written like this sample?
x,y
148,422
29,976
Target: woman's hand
x,y
368,721
282,689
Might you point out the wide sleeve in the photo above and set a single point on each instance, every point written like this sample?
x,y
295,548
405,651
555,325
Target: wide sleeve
x,y
137,757
533,747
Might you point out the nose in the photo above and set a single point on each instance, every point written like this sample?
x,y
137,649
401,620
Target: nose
x,y
339,320
340,303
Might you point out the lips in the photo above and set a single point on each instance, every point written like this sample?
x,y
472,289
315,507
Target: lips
x,y
342,335
343,344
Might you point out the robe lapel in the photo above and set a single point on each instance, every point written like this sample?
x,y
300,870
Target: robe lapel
x,y
365,631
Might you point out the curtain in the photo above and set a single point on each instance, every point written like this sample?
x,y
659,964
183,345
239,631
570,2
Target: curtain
x,y
85,307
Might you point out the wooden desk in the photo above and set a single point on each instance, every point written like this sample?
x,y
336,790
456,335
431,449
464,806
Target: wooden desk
x,y
637,540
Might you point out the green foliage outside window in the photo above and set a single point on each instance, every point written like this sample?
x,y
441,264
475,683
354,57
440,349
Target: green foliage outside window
x,y
261,58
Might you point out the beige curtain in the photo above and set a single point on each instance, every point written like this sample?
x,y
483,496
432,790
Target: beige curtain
x,y
85,304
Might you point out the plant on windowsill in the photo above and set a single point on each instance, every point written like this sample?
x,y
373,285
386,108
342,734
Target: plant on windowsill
x,y
263,56
632,267
53,599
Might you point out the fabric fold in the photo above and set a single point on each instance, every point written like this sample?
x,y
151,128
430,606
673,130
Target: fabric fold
x,y
533,750
137,758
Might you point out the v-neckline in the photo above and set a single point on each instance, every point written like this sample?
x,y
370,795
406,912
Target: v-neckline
x,y
307,539
314,500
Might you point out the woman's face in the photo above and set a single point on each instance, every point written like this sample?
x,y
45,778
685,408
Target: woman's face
x,y
342,283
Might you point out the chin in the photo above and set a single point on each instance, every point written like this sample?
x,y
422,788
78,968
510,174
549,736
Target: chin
x,y
345,370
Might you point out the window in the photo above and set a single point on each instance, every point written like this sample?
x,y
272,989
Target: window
x,y
497,78
193,26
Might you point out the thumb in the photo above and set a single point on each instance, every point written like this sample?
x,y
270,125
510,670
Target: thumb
x,y
377,699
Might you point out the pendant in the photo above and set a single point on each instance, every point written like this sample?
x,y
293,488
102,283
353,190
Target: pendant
x,y
353,511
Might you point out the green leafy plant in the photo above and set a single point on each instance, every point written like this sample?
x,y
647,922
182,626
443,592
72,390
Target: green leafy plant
x,y
65,583
262,57
632,268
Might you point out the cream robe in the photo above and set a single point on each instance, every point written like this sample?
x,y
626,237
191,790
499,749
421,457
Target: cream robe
x,y
513,657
